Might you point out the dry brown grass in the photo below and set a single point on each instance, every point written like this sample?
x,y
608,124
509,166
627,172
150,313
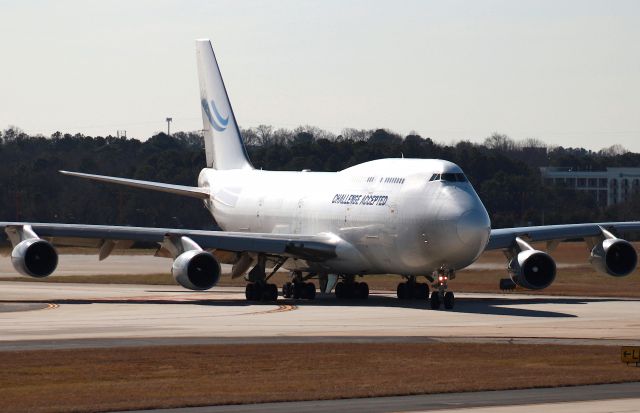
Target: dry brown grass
x,y
154,377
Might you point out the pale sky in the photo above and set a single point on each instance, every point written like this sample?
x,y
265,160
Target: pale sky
x,y
565,72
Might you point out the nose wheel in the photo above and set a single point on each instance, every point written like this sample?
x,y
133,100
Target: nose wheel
x,y
442,297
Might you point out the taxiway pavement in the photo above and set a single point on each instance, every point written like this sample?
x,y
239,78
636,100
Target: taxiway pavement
x,y
68,315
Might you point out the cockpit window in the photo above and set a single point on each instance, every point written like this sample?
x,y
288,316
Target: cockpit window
x,y
449,177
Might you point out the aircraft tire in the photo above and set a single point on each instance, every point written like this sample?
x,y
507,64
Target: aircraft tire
x,y
421,291
287,290
435,300
449,300
361,291
271,292
402,291
248,291
309,291
298,290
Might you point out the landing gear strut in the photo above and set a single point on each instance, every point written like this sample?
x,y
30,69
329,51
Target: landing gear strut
x,y
412,289
441,295
348,289
298,288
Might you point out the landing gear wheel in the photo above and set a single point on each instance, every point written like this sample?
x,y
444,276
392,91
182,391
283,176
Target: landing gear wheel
x,y
421,291
271,292
449,300
402,291
340,290
298,290
261,292
361,291
287,290
435,300
249,292
309,291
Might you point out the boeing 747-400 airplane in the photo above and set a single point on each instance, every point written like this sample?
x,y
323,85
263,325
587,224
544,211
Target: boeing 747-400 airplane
x,y
417,218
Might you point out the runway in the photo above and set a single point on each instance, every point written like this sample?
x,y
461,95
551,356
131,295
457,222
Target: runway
x,y
47,315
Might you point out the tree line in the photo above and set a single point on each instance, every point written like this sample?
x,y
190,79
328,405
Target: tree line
x,y
504,172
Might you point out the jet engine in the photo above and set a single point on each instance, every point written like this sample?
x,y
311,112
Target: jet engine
x,y
196,270
34,257
532,269
614,256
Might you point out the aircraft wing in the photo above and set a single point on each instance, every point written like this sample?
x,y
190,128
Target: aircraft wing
x,y
505,237
313,248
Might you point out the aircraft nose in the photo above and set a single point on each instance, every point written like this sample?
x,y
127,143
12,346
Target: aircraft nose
x,y
474,227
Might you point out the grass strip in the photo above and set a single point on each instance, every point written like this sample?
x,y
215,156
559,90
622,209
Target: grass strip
x,y
177,376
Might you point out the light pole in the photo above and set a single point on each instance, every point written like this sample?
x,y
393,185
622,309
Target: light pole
x,y
169,120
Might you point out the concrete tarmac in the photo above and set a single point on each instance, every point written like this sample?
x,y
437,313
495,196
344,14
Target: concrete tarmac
x,y
113,314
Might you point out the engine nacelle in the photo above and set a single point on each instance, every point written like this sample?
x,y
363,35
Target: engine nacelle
x,y
196,270
532,269
34,257
614,256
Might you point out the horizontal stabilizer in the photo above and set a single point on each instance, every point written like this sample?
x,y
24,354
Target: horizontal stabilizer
x,y
192,191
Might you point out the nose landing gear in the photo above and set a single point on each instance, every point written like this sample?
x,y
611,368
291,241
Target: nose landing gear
x,y
441,296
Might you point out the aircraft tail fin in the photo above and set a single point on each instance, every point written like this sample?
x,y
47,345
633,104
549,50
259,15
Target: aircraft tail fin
x,y
222,139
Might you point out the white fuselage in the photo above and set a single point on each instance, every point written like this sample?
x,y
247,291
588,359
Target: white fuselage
x,y
386,215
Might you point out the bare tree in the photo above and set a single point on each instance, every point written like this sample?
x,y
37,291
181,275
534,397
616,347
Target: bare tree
x,y
264,133
613,150
500,142
532,143
355,135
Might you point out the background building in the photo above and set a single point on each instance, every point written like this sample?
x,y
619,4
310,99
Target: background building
x,y
608,187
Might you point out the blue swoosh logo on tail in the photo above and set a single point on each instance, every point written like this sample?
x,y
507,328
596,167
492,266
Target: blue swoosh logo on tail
x,y
217,121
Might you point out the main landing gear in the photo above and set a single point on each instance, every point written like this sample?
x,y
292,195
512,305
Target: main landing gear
x,y
261,291
413,290
258,288
349,289
298,288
